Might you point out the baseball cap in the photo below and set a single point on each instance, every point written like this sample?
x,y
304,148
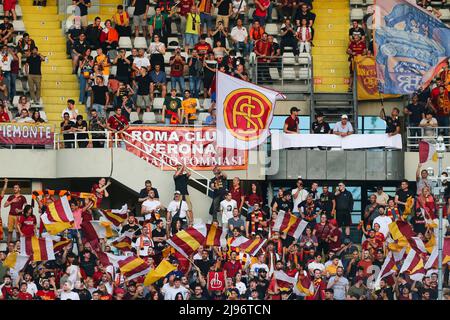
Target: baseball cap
x,y
177,192
344,116
429,8
177,279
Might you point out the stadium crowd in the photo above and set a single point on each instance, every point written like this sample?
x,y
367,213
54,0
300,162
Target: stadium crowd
x,y
335,266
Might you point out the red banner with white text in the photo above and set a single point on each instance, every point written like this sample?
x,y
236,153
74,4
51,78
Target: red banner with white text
x,y
194,147
26,133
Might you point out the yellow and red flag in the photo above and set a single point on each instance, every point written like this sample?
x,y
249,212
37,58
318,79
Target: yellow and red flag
x,y
60,244
427,152
124,242
250,246
163,269
304,286
290,224
133,267
16,261
40,249
116,216
216,236
187,241
58,216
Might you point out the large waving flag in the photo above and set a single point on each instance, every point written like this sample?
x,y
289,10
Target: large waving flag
x,y
116,216
283,280
413,265
162,270
289,223
433,259
103,229
16,261
187,241
304,286
401,231
250,246
124,242
427,152
388,268
216,236
244,112
39,249
133,267
58,216
411,46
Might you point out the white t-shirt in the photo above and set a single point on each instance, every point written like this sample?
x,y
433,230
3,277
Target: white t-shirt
x,y
343,129
315,265
140,62
171,293
384,222
227,207
241,287
69,296
73,272
150,205
239,35
147,243
32,288
254,269
300,198
174,205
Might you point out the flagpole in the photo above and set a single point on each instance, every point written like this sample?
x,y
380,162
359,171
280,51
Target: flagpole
x,y
440,148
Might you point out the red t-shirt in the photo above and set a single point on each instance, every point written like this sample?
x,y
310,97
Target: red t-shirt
x,y
292,124
16,205
25,296
258,11
202,49
335,245
357,47
99,195
6,292
236,194
232,268
27,225
254,198
117,122
4,117
177,68
46,295
185,7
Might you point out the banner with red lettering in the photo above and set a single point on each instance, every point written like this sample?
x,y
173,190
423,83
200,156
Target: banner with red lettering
x,y
216,281
196,147
26,133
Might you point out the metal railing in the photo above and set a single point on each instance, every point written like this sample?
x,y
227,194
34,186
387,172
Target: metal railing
x,y
109,139
416,134
287,73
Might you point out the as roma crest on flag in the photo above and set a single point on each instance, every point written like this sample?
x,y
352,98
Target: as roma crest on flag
x,y
216,281
244,112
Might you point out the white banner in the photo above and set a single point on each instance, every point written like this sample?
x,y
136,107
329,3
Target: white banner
x,y
244,112
281,140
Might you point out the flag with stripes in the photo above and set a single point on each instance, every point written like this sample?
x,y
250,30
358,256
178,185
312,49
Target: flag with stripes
x,y
124,242
116,216
40,249
103,229
58,216
413,265
60,244
283,280
251,246
162,270
133,267
388,268
304,286
290,224
401,230
16,261
432,262
216,236
427,152
187,241
85,195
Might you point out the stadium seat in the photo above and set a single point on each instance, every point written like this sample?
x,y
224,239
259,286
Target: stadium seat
x,y
356,2
149,117
369,2
274,73
125,43
110,114
167,56
113,70
18,11
16,101
210,41
172,43
158,103
272,29
357,14
206,104
19,26
288,58
19,86
151,12
71,9
93,53
130,11
304,73
304,58
134,117
202,117
289,74
445,14
140,43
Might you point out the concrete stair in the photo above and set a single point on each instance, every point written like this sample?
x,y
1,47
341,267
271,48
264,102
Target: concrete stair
x,y
58,83
331,70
